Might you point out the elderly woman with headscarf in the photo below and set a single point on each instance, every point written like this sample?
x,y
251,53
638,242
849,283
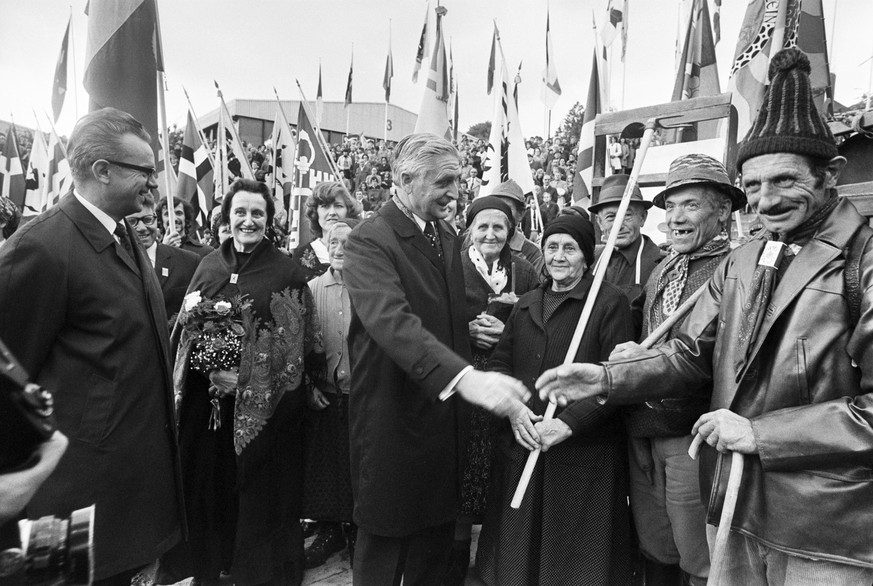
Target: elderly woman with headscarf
x,y
493,279
573,526
330,201
248,334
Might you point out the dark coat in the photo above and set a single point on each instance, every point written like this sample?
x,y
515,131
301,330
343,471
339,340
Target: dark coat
x,y
174,268
87,323
408,339
197,248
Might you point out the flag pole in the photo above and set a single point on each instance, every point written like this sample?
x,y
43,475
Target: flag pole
x,y
778,39
165,146
293,209
72,50
199,129
385,126
318,135
233,132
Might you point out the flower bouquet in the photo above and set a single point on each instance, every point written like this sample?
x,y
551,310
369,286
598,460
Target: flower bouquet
x,y
216,328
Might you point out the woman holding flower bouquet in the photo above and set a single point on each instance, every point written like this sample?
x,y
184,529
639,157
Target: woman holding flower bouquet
x,y
247,334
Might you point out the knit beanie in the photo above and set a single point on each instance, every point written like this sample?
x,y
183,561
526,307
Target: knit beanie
x,y
490,202
788,121
579,228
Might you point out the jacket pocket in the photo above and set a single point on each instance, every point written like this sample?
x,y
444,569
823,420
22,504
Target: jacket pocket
x,y
98,408
801,346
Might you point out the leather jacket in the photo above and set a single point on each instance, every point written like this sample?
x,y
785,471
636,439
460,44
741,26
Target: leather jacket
x,y
809,489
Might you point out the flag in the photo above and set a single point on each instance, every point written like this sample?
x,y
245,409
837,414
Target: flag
x,y
551,87
312,165
748,76
349,84
811,40
423,46
35,179
453,100
389,73
616,18
319,100
584,173
433,115
122,59
283,157
492,60
11,170
232,142
716,21
506,154
195,182
59,179
59,87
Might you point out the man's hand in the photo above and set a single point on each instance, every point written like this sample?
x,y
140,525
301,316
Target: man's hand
x,y
553,432
523,428
572,382
493,391
17,488
172,239
626,350
224,382
726,431
316,400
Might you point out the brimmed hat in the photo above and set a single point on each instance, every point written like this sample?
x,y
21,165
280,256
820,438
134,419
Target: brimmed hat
x,y
788,121
612,191
509,190
697,169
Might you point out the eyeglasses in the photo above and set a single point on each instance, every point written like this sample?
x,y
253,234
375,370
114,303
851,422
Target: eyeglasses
x,y
151,172
147,220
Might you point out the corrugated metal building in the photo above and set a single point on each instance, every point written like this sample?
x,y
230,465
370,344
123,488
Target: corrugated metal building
x,y
254,120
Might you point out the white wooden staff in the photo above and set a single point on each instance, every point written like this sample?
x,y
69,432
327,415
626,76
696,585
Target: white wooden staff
x,y
599,273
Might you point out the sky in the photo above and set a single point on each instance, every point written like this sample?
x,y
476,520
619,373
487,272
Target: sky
x,y
251,46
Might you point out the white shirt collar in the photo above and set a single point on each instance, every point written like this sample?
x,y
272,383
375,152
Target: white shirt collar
x,y
152,251
101,216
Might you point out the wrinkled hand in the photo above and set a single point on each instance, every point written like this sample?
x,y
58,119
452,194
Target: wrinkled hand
x,y
626,351
726,431
523,428
172,239
485,331
315,399
571,382
552,432
224,383
493,391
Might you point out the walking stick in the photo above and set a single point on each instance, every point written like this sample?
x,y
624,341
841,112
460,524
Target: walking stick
x,y
599,274
716,566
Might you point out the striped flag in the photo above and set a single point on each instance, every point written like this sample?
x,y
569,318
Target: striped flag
x,y
319,100
35,179
349,83
233,143
389,73
812,41
584,174
195,182
551,87
716,21
122,59
283,157
748,76
492,60
433,115
423,45
59,179
506,152
59,86
11,170
616,18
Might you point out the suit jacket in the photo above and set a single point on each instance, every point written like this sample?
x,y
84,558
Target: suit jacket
x,y
408,339
174,268
88,323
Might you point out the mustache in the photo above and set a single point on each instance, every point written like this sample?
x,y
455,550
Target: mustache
x,y
775,210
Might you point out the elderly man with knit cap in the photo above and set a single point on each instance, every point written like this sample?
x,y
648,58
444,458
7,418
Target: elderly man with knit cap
x,y
784,332
671,521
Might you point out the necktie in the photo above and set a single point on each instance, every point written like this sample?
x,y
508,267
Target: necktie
x,y
431,235
124,240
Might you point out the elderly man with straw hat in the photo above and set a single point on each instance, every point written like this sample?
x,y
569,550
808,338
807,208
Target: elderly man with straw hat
x,y
671,521
784,331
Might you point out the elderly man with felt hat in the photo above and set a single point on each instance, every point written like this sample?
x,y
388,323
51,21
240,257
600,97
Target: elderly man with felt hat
x,y
635,255
784,333
698,199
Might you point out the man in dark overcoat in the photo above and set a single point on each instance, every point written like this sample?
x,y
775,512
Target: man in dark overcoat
x,y
82,310
409,346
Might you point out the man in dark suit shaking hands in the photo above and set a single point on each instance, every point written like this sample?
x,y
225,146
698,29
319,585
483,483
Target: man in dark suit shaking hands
x,y
82,310
409,346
